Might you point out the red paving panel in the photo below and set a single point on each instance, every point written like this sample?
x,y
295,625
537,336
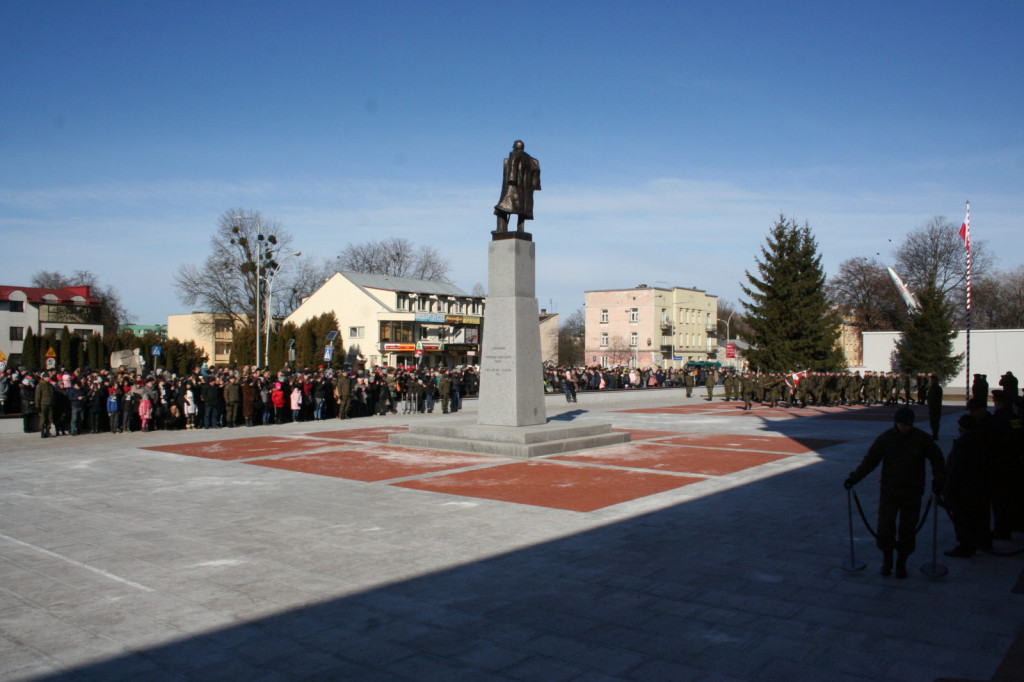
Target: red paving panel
x,y
375,464
244,448
730,441
552,484
681,459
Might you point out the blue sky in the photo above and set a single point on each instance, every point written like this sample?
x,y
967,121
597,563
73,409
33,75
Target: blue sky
x,y
671,135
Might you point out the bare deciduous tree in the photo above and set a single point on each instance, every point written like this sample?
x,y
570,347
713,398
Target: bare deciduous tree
x,y
997,300
934,255
571,342
864,292
227,281
396,257
303,278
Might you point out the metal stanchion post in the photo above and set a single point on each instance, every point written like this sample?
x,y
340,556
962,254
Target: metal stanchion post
x,y
935,569
851,564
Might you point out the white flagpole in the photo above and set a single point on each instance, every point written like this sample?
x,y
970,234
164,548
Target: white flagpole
x,y
967,244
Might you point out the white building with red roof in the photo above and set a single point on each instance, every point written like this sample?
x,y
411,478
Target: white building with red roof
x,y
42,311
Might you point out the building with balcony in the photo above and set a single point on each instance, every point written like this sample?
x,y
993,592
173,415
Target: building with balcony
x,y
211,332
398,321
43,311
650,326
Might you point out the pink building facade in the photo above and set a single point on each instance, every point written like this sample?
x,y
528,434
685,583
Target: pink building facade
x,y
650,327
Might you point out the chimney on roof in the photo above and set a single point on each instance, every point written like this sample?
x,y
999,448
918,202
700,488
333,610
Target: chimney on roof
x,y
543,311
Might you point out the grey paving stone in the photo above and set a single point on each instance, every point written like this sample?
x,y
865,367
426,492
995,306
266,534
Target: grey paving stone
x,y
182,567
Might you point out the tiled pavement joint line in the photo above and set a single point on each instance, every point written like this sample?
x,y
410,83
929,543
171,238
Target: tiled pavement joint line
x,y
79,564
618,467
447,472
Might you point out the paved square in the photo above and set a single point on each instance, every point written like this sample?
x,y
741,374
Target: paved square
x,y
709,548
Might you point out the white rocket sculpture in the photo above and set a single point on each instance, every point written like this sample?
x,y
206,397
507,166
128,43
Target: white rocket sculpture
x,y
905,293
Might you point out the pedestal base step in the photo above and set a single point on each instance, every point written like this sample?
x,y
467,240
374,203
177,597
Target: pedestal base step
x,y
510,441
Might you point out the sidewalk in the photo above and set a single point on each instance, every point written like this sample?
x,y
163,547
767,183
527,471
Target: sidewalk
x,y
710,548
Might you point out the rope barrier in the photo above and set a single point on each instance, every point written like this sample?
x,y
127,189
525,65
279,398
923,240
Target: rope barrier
x,y
864,518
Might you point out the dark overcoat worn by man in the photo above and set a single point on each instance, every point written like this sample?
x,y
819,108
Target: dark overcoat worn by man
x,y
902,451
343,392
445,386
233,399
966,493
45,397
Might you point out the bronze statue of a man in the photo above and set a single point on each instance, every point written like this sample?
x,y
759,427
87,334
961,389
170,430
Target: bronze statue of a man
x,y
519,181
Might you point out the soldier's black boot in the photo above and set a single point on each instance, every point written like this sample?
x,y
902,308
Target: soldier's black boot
x,y
886,569
901,566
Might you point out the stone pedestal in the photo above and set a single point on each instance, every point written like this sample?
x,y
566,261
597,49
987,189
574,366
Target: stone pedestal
x,y
511,383
511,417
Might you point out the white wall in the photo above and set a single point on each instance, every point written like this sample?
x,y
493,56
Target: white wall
x,y
993,352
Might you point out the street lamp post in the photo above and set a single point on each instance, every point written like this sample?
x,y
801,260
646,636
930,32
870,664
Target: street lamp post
x,y
259,268
270,295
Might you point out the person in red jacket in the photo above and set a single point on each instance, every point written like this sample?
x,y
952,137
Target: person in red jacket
x,y
277,399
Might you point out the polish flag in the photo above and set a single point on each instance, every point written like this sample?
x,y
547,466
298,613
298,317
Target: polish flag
x,y
965,229
794,379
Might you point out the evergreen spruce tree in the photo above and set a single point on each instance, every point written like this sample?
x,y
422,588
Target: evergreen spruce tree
x,y
792,325
927,341
30,356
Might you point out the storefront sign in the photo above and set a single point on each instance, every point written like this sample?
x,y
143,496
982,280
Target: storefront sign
x,y
400,347
461,347
462,319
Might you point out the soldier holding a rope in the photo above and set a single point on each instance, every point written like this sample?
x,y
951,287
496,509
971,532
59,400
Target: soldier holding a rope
x,y
902,452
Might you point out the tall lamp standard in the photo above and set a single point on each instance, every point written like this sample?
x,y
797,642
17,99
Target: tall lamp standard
x,y
261,242
272,275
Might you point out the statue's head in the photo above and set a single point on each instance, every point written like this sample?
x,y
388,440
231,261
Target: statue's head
x,y
518,145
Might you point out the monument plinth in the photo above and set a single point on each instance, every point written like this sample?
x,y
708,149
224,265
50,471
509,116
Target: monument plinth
x,y
511,382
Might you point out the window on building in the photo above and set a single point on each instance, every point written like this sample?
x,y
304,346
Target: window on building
x,y
402,303
356,332
422,304
634,314
17,333
84,333
634,339
604,339
604,316
16,306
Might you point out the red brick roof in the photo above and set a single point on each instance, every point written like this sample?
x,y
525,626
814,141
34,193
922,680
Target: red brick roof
x,y
63,295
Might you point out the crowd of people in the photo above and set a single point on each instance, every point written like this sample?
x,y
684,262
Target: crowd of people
x,y
59,402
767,388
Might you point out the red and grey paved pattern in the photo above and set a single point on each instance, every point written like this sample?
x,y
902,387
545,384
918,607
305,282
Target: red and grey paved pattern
x,y
648,465
710,547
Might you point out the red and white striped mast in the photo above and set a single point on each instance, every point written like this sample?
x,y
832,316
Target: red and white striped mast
x,y
965,234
